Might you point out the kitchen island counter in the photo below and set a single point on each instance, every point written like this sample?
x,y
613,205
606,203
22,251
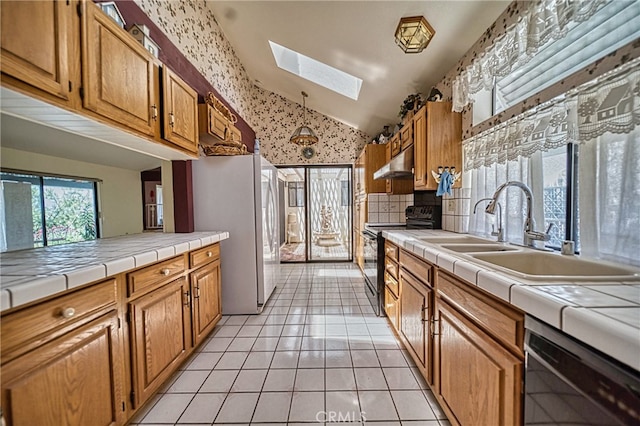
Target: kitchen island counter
x,y
30,275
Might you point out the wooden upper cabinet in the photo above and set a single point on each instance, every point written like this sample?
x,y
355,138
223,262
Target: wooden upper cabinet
x,y
372,158
120,77
35,39
180,111
437,136
406,135
73,380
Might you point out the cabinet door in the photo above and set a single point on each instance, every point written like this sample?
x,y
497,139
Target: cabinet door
x,y
119,76
406,135
479,380
207,308
180,111
415,305
391,307
35,44
444,136
420,149
160,336
72,380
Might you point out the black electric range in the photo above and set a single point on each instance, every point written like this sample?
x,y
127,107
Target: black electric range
x,y
418,217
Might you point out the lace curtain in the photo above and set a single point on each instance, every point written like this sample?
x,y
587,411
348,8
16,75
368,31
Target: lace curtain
x,y
601,117
610,103
543,21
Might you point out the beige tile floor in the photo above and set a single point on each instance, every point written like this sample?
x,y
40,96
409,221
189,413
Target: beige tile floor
x,y
316,354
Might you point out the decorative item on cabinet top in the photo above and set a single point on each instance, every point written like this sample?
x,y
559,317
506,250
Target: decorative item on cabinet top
x,y
141,34
112,10
218,134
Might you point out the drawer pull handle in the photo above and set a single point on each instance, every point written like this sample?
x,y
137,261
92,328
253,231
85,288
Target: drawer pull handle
x,y
68,312
209,254
165,272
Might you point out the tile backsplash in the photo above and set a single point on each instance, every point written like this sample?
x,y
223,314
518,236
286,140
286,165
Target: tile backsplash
x,y
455,210
385,208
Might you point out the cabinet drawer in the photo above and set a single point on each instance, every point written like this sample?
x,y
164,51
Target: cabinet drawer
x,y
204,255
391,267
391,307
41,321
392,283
419,268
143,280
391,250
504,323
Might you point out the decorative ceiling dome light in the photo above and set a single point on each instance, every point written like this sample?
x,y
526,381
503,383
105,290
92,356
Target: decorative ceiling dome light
x,y
413,34
303,135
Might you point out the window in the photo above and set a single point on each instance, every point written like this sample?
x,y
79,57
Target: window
x,y
296,194
554,198
38,210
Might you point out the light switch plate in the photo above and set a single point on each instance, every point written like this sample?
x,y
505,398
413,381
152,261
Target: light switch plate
x,y
451,206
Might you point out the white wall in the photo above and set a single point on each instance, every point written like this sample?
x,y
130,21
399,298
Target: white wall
x,y
120,191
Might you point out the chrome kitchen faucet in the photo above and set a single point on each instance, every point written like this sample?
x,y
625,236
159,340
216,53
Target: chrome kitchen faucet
x,y
500,232
530,234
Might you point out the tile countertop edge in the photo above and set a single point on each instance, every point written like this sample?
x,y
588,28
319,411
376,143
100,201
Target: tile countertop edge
x,y
23,292
583,323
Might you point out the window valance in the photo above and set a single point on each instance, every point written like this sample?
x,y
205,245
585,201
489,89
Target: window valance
x,y
543,21
610,103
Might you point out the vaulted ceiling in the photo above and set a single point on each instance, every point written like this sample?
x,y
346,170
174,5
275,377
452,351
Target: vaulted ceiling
x,y
356,37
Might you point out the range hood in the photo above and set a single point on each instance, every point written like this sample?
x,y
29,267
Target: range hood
x,y
400,167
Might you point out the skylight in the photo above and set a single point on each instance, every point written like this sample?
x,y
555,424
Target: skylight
x,y
316,72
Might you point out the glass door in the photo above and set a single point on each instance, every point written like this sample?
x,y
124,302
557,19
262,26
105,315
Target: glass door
x,y
329,222
294,247
317,213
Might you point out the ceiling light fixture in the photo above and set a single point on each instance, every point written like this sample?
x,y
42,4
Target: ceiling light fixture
x,y
413,34
303,135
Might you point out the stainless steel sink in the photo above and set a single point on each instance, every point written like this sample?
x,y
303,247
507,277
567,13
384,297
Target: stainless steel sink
x,y
540,266
478,248
462,239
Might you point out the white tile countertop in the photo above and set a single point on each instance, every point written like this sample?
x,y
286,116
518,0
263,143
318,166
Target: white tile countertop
x,y
603,314
29,275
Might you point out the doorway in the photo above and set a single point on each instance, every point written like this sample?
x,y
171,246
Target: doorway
x,y
317,213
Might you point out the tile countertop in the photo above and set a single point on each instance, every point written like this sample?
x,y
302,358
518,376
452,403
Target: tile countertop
x,y
604,315
29,275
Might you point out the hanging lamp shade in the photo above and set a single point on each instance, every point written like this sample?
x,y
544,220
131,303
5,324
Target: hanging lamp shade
x,y
304,135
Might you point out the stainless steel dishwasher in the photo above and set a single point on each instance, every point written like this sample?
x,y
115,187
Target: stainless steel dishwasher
x,y
569,383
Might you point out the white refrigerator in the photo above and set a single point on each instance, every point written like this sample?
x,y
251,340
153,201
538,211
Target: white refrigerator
x,y
239,194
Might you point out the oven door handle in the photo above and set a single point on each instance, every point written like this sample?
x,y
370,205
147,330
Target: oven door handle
x,y
369,235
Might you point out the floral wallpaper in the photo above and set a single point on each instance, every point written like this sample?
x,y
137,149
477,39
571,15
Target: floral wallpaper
x,y
338,142
192,27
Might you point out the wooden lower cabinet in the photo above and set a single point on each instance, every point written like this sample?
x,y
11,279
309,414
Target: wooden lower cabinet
x,y
207,301
160,336
478,381
72,380
415,312
391,306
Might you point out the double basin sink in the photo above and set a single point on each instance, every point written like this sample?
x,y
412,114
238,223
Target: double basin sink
x,y
531,264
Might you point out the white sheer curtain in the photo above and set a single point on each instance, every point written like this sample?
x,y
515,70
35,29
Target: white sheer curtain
x,y
609,197
602,118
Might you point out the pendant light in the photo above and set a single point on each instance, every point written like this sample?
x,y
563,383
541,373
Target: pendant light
x,y
303,135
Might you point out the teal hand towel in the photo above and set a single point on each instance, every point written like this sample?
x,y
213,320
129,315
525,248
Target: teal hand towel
x,y
446,182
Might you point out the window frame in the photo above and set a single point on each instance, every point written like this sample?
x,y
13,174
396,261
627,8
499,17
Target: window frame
x,y
40,176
